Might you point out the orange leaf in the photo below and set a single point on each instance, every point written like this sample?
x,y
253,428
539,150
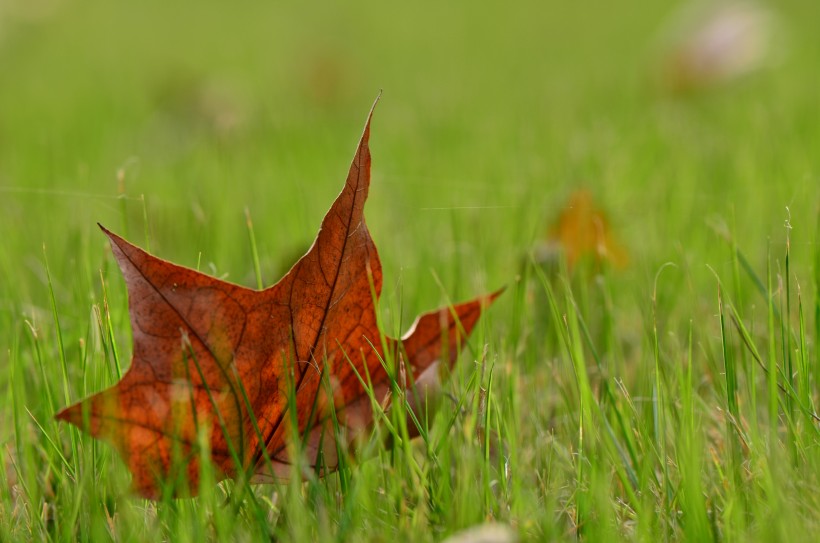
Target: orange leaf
x,y
202,346
582,229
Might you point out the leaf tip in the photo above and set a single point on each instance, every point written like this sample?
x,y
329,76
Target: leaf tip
x,y
111,235
115,240
70,414
366,134
487,299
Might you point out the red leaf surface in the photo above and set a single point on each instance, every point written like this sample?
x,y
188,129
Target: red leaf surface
x,y
224,359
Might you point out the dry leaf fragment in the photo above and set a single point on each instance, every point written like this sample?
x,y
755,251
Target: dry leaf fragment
x,y
582,229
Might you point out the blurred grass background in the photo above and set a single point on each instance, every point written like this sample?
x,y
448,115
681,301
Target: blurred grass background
x,y
209,110
188,112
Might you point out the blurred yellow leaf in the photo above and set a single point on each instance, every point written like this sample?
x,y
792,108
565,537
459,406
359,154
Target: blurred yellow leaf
x,y
582,229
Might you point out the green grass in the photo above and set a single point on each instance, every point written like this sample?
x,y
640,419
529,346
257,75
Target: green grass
x,y
672,399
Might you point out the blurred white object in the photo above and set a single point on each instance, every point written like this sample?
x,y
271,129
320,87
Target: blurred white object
x,y
484,533
716,43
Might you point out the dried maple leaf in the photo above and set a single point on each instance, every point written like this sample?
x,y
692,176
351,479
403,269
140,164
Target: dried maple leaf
x,y
213,355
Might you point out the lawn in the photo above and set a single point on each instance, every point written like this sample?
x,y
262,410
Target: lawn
x,y
671,398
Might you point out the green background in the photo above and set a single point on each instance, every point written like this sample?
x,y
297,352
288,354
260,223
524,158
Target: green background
x,y
186,113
